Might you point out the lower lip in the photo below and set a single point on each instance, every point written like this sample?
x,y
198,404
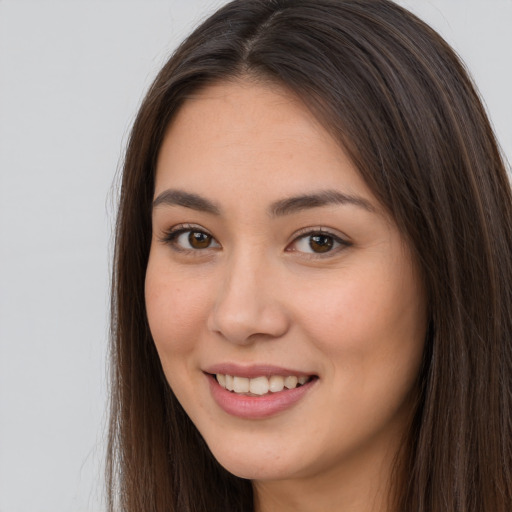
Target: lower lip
x,y
257,407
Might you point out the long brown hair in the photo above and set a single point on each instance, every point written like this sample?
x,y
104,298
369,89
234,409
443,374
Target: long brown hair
x,y
401,104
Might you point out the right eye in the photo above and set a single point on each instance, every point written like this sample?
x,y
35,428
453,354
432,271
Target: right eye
x,y
190,239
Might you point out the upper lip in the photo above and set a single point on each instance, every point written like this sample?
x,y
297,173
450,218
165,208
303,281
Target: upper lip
x,y
254,370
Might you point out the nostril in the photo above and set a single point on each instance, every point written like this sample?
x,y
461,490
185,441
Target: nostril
x,y
246,322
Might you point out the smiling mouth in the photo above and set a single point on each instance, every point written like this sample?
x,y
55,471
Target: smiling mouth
x,y
262,385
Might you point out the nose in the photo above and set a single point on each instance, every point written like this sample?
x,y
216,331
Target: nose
x,y
249,305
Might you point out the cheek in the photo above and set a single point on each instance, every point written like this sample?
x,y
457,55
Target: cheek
x,y
372,320
176,309
372,331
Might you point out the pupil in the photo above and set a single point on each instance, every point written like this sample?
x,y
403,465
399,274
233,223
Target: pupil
x,y
199,240
321,243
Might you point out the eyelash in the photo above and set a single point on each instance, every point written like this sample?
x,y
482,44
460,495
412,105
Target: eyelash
x,y
338,243
171,236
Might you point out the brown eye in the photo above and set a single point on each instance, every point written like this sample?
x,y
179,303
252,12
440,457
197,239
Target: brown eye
x,y
186,239
321,243
318,243
199,240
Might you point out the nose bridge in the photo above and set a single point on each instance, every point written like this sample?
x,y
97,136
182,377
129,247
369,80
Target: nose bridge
x,y
247,303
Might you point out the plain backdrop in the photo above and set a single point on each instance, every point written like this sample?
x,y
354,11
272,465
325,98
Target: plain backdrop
x,y
72,74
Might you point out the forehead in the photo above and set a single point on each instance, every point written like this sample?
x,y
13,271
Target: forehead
x,y
246,134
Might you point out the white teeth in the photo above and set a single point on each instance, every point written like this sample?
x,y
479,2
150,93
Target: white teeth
x,y
229,383
290,382
276,383
240,385
260,385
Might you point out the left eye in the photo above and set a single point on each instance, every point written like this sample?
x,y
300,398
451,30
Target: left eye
x,y
191,239
317,243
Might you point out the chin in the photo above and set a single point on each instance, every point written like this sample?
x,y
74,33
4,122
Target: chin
x,y
253,471
255,464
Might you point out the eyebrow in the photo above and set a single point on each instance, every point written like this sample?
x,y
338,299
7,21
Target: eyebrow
x,y
173,197
287,206
316,200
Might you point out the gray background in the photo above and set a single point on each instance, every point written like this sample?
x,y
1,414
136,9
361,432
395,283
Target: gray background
x,y
72,74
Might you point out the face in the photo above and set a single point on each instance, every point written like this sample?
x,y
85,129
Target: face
x,y
283,302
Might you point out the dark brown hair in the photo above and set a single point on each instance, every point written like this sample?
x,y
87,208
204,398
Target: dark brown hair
x,y
401,104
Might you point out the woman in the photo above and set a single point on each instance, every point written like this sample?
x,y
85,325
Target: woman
x,y
312,274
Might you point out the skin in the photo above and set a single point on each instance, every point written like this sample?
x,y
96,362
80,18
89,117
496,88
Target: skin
x,y
260,293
